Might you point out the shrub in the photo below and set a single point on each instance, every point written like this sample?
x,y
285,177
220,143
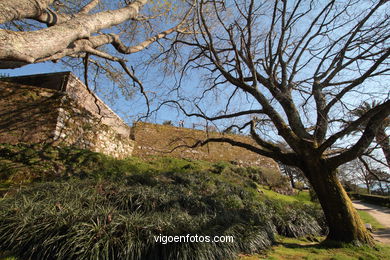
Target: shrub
x,y
117,219
168,122
274,180
297,219
110,220
219,167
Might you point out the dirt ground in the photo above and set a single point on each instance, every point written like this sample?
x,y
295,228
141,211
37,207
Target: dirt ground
x,y
382,215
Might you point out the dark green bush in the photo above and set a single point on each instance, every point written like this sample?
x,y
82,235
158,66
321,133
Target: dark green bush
x,y
297,219
114,219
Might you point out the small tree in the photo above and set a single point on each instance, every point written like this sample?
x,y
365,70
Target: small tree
x,y
294,174
355,170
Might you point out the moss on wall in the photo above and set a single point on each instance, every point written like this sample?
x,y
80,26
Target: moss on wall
x,y
27,113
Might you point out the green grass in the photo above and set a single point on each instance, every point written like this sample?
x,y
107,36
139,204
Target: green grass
x,y
92,217
60,200
296,249
302,196
4,257
367,218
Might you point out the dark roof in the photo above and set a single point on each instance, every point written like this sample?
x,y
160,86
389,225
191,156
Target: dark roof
x,y
56,80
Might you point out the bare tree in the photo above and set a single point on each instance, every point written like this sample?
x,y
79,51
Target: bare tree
x,y
360,174
376,175
294,69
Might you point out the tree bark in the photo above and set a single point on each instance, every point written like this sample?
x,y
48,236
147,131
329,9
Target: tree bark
x,y
368,187
20,48
15,10
343,220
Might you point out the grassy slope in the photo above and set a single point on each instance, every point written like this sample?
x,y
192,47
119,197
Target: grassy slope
x,y
222,189
302,196
30,163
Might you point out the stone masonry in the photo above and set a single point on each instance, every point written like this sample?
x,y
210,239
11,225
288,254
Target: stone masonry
x,y
57,108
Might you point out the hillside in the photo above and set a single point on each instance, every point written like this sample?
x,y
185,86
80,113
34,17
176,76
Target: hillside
x,y
153,139
65,203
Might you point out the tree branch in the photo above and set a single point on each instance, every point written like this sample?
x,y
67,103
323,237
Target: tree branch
x,y
233,115
286,158
365,140
59,37
88,7
380,109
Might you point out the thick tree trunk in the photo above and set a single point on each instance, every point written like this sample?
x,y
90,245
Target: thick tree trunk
x,y
368,187
343,220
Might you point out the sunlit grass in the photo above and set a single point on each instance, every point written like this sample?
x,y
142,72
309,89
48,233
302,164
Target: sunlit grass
x,y
367,218
302,196
295,249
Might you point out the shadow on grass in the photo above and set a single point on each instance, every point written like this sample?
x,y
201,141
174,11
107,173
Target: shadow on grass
x,y
297,246
313,243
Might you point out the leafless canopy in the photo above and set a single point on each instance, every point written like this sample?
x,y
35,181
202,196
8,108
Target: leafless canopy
x,y
304,64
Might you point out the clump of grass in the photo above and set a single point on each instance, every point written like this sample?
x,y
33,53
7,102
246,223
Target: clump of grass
x,y
117,218
111,220
297,219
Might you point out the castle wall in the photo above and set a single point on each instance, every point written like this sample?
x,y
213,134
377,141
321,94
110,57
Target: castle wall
x,y
79,127
54,81
61,110
27,114
31,114
90,102
159,140
67,82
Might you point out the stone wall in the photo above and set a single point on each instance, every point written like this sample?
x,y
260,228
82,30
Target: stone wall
x,y
160,140
92,103
27,114
72,116
79,127
69,83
